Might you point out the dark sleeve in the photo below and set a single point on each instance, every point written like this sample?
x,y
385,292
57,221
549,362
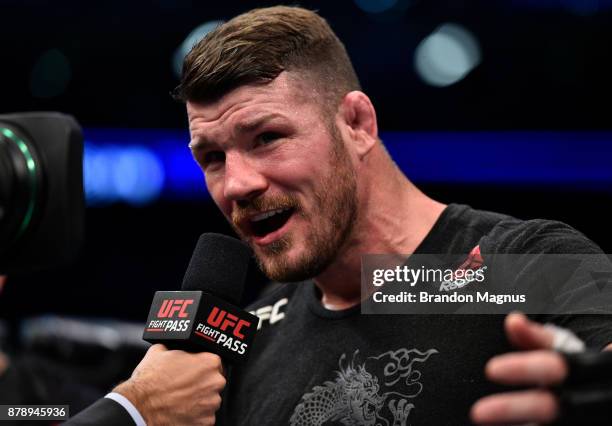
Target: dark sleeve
x,y
568,268
103,412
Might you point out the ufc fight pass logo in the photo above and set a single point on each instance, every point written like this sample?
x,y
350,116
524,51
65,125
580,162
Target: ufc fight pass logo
x,y
169,309
225,329
196,321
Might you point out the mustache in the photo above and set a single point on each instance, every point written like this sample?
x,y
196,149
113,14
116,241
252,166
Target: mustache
x,y
260,205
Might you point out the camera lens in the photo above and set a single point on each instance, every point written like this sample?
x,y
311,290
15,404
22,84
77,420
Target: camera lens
x,y
20,185
42,209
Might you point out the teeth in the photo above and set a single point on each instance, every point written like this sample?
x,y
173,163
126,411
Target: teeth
x,y
267,214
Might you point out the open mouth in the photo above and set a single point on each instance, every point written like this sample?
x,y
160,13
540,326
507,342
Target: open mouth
x,y
270,221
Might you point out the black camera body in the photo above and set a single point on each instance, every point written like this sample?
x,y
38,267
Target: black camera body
x,y
42,205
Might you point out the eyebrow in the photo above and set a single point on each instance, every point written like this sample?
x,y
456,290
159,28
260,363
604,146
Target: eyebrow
x,y
251,126
199,143
245,127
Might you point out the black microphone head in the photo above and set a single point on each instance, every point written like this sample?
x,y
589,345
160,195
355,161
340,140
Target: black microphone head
x,y
218,266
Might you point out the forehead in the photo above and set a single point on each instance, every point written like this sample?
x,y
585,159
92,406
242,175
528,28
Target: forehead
x,y
287,94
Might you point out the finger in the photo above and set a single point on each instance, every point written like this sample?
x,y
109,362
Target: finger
x,y
212,359
543,368
526,334
537,406
158,347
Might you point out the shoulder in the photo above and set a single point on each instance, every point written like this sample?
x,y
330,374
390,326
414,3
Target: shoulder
x,y
513,235
459,228
465,228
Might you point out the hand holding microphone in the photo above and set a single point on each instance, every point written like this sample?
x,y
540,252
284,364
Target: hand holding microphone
x,y
180,379
176,387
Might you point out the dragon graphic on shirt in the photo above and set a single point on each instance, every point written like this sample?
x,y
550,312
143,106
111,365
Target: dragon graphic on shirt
x,y
376,392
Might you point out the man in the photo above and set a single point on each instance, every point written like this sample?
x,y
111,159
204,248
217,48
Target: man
x,y
289,147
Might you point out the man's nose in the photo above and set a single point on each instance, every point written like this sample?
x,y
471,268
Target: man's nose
x,y
242,180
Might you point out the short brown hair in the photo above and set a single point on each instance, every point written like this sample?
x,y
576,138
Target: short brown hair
x,y
255,47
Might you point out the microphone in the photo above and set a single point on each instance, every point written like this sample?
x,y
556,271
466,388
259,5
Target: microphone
x,y
203,316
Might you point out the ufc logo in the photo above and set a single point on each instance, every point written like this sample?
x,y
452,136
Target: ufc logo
x,y
170,307
224,320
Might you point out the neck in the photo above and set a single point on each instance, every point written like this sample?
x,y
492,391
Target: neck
x,y
394,216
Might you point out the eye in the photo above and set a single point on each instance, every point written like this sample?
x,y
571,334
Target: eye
x,y
266,138
213,157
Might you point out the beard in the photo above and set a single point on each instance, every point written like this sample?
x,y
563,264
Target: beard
x,y
331,221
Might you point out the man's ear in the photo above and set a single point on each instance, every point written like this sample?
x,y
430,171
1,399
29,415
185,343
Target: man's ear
x,y
358,118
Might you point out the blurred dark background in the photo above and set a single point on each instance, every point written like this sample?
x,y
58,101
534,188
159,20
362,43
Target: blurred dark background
x,y
503,105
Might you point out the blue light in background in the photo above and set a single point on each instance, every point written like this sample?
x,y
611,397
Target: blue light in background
x,y
577,159
139,166
97,175
138,175
132,174
142,166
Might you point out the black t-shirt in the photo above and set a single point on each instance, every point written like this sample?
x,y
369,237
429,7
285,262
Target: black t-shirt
x,y
312,366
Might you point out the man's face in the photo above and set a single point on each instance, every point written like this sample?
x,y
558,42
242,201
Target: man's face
x,y
279,172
